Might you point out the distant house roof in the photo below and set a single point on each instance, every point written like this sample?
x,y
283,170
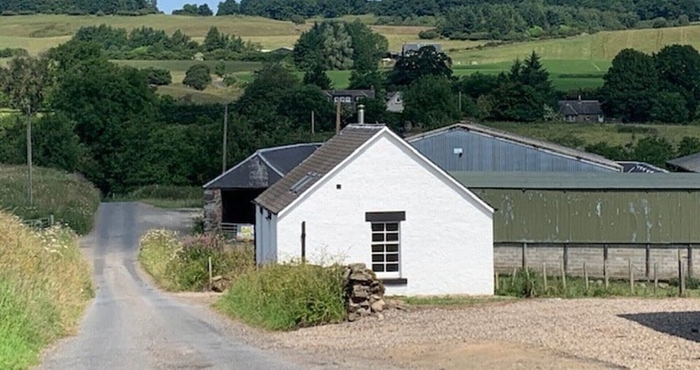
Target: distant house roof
x,y
592,181
354,93
689,163
415,47
264,167
522,140
577,107
328,156
640,167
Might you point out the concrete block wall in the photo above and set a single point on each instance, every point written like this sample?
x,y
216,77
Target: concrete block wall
x,y
508,257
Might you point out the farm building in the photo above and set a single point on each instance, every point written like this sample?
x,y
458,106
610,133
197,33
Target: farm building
x,y
362,196
622,218
471,147
228,199
581,110
688,163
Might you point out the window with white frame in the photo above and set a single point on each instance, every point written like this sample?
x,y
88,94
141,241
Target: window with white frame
x,y
386,242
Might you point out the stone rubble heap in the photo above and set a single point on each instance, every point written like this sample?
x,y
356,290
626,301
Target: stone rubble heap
x,y
364,292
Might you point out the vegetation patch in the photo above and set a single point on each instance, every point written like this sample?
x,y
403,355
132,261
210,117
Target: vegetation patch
x,y
71,199
451,301
183,265
44,286
167,196
287,296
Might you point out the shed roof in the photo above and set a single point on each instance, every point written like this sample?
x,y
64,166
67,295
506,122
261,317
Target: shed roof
x,y
309,171
522,140
356,93
689,163
579,180
576,107
280,160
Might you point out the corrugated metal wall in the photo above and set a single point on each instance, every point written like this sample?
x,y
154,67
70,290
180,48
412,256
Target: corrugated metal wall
x,y
559,216
485,153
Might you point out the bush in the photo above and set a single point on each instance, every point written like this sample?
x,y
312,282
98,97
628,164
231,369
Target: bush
x,y
287,296
44,285
183,265
70,198
428,34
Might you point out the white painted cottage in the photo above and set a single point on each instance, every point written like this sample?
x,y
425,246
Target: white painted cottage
x,y
368,196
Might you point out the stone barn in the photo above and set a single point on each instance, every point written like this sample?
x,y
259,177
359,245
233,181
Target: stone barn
x,y
228,199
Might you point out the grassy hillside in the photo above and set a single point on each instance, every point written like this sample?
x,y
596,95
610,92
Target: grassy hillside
x,y
44,285
69,198
596,47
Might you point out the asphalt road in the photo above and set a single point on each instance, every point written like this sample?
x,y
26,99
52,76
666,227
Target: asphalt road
x,y
132,325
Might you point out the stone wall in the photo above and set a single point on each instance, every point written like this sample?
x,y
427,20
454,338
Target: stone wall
x,y
213,209
364,292
508,257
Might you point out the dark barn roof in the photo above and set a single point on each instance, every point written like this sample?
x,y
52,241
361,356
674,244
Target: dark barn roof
x,y
328,156
576,107
689,163
640,167
264,167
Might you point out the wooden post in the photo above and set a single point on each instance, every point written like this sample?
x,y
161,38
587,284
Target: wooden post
x,y
585,275
656,278
681,276
566,258
544,275
313,122
211,282
647,257
524,255
605,267
689,271
563,277
512,279
30,191
496,279
303,242
629,264
224,144
51,220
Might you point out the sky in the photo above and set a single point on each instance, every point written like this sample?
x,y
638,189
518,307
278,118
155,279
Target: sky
x,y
168,6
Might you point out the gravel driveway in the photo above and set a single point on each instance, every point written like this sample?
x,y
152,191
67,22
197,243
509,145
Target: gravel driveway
x,y
537,334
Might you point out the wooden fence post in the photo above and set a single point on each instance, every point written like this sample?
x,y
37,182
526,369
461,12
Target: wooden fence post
x,y
544,275
303,242
647,257
585,275
211,282
656,278
689,271
681,277
605,266
631,276
563,277
524,255
496,279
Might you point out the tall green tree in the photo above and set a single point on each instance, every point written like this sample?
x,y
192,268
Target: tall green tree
x,y
630,86
25,83
430,102
426,61
318,77
678,69
197,77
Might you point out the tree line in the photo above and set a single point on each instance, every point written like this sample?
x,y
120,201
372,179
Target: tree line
x,y
146,43
78,7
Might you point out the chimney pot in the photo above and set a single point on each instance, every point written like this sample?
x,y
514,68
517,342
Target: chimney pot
x,y
361,114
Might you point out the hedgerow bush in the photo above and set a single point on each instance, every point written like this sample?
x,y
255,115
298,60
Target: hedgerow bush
x,y
183,264
287,296
44,285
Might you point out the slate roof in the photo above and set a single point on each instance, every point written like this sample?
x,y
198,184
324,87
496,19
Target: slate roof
x,y
415,47
353,93
690,163
264,167
640,167
591,181
576,107
328,156
522,140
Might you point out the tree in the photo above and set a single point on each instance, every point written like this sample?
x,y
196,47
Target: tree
x,y
220,69
158,76
197,77
368,47
298,104
430,102
328,44
426,61
678,69
25,83
228,7
687,146
630,86
270,83
317,76
654,150
214,40
669,107
366,80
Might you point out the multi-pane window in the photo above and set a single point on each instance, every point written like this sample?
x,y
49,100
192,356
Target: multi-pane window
x,y
385,248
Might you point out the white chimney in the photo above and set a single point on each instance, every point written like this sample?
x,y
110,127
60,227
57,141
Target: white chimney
x,y
361,114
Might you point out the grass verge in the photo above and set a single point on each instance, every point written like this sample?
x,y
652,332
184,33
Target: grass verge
x,y
70,198
287,296
451,301
167,196
44,286
182,265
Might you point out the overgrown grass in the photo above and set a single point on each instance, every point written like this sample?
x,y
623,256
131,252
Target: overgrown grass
x,y
530,284
451,301
182,265
167,196
44,286
70,198
287,296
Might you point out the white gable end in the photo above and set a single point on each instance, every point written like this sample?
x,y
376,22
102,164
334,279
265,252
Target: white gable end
x,y
445,241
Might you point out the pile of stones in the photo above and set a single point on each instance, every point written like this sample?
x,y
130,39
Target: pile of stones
x,y
364,292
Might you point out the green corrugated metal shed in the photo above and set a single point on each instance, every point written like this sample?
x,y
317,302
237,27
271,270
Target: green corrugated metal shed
x,y
614,208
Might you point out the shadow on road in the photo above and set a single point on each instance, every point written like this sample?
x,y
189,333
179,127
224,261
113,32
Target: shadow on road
x,y
685,325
